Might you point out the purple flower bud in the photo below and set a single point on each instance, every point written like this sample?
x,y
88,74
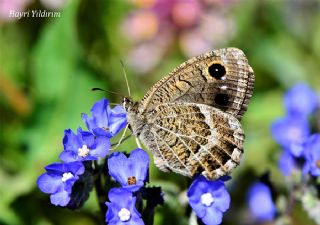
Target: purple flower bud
x,y
260,202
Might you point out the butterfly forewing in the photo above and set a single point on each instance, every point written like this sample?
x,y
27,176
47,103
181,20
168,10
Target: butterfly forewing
x,y
191,138
222,79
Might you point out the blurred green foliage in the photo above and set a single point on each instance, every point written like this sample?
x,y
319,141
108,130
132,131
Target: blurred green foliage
x,y
49,65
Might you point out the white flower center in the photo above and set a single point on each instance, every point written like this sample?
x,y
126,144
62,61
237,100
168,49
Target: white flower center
x,y
66,176
124,214
84,151
207,199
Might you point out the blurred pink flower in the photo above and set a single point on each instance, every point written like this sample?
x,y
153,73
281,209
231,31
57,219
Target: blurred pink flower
x,y
196,26
7,6
145,56
182,19
141,26
53,4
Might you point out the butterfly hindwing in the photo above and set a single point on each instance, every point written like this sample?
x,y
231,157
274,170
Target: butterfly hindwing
x,y
189,138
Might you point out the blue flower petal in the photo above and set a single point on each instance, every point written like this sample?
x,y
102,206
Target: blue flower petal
x,y
121,168
102,147
135,221
312,155
139,160
260,193
115,194
68,156
59,179
96,146
55,168
122,198
210,213
212,217
101,132
117,119
49,184
117,164
60,198
286,163
109,121
301,100
290,132
100,117
222,199
76,168
71,141
196,189
99,109
86,137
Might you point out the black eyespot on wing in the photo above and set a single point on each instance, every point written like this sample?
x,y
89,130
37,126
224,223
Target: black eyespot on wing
x,y
217,71
221,99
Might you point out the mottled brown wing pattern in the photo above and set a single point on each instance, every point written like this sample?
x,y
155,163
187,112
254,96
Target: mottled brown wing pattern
x,y
190,138
222,79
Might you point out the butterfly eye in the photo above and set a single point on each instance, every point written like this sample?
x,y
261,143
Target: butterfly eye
x,y
217,71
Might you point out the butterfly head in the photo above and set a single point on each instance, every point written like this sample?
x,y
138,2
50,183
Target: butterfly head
x,y
134,118
128,104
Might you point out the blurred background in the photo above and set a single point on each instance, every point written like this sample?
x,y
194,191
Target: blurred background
x,y
48,66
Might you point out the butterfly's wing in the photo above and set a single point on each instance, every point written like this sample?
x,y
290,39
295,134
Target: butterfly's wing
x,y
222,79
190,138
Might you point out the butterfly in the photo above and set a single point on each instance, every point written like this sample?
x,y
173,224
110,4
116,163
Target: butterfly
x,y
189,119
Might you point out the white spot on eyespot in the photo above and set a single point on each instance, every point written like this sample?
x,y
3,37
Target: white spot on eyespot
x,y
224,87
207,199
223,78
66,176
124,214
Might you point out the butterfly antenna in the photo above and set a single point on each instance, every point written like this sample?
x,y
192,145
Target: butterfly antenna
x,y
125,76
112,92
122,138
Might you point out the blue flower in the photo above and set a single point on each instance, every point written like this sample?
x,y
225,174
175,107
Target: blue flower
x,y
287,163
301,100
209,199
260,202
312,155
105,121
83,146
121,208
58,181
290,132
130,172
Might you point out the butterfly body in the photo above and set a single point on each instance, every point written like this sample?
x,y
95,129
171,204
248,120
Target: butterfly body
x,y
190,118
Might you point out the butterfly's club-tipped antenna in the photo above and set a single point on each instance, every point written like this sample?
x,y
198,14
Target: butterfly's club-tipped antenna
x,y
111,92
